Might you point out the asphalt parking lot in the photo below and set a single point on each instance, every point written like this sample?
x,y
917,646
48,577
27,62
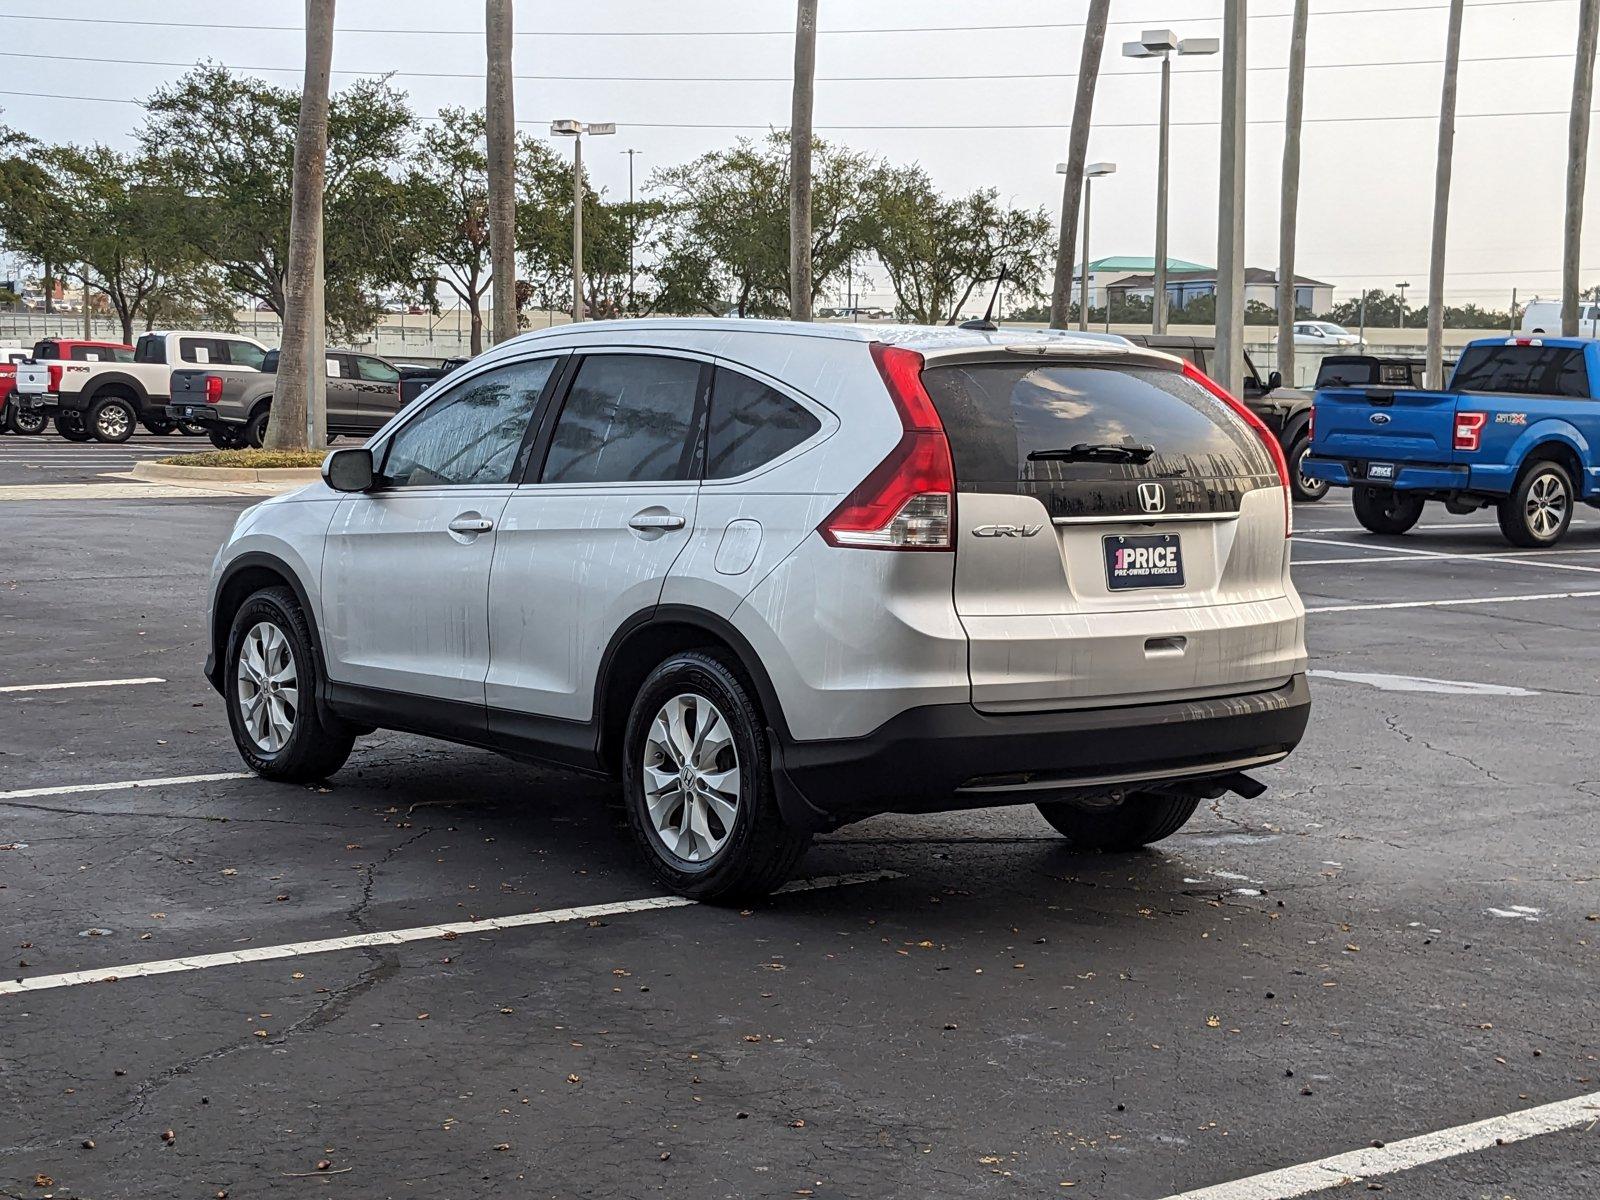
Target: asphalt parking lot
x,y
49,459
1398,939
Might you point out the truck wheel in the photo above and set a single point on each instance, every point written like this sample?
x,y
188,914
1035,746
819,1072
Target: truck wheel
x,y
25,421
159,426
1384,510
254,434
1539,509
224,437
1304,488
193,428
112,420
1142,818
69,424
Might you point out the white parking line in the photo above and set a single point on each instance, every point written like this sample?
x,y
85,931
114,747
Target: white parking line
x,y
1341,1170
1420,683
1368,606
122,785
1513,557
1443,528
396,937
85,683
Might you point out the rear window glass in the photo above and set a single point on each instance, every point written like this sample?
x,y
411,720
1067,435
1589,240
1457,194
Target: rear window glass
x,y
1523,370
1069,423
150,349
751,425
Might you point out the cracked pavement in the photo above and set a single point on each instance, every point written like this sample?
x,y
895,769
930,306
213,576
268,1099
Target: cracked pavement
x,y
1289,977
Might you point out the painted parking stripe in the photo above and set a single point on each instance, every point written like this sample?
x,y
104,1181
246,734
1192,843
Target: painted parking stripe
x,y
1341,1170
83,683
396,937
122,785
1513,557
1444,528
1370,607
1420,683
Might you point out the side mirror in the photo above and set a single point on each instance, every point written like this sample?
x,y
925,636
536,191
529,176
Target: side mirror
x,y
348,470
1274,381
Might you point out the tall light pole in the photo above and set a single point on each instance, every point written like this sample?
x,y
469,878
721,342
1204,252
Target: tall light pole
x,y
1441,196
633,225
1400,322
1229,370
1162,44
575,130
1090,173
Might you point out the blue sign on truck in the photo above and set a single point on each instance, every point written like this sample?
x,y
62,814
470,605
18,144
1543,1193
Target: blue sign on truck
x,y
1518,430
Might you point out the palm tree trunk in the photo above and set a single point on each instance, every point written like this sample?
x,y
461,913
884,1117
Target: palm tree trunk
x,y
1577,162
1228,368
805,75
300,371
502,130
1094,40
1289,209
1441,198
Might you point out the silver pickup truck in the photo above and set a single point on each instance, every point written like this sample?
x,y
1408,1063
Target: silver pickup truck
x,y
363,393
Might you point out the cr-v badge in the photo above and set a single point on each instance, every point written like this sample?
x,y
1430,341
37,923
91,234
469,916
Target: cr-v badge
x,y
1006,530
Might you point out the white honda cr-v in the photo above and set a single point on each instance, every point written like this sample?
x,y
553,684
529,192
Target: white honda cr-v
x,y
778,577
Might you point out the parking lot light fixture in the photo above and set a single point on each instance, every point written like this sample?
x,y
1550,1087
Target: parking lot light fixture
x,y
1163,44
1090,173
575,130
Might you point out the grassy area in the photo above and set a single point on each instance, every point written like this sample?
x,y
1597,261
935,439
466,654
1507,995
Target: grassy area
x,y
254,459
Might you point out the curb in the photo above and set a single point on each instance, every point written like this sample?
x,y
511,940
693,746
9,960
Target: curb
x,y
167,473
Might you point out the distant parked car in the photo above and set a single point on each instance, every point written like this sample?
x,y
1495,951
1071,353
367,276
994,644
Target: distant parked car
x,y
1324,335
415,380
234,405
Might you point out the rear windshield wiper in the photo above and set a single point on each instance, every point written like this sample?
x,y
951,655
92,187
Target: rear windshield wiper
x,y
1094,452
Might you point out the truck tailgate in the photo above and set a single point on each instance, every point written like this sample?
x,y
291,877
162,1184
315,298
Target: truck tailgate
x,y
1388,423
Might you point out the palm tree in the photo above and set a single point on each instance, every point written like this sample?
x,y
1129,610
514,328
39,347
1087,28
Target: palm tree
x,y
500,106
805,85
1577,162
299,398
1094,40
1441,197
1289,209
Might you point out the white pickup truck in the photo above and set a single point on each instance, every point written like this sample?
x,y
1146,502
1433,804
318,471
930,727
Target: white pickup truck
x,y
106,400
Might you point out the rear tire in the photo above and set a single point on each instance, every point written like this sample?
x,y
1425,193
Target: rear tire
x,y
1539,509
1303,488
272,706
697,784
193,428
159,426
112,420
25,422
224,437
1142,818
1384,510
254,433
69,424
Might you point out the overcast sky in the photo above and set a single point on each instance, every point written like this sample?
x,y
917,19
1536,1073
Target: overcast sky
x,y
1366,185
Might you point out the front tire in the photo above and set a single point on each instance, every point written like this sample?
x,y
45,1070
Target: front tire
x,y
1539,509
1142,818
697,784
272,681
1303,487
112,420
69,424
25,422
1384,510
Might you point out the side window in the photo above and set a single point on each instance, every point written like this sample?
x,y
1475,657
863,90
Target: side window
x,y
152,348
473,433
243,354
90,354
750,425
375,370
204,351
628,417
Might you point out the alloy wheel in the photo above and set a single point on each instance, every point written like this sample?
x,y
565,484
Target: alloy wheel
x,y
268,687
1547,505
113,421
691,778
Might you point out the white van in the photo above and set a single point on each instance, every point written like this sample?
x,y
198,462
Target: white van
x,y
1544,316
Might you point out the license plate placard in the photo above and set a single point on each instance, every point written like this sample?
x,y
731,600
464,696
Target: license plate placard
x,y
1380,471
1146,560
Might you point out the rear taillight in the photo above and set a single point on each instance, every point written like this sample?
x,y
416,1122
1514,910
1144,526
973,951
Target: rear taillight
x,y
54,373
908,501
1268,438
213,389
1469,430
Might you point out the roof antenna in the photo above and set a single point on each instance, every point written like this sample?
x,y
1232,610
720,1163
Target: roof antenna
x,y
985,324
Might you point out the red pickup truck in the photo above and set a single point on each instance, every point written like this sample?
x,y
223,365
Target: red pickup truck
x,y
18,419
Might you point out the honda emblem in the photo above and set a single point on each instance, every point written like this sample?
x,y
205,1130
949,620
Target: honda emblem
x,y
1152,497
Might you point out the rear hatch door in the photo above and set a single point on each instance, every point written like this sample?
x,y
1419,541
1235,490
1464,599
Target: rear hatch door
x,y
1386,424
1120,534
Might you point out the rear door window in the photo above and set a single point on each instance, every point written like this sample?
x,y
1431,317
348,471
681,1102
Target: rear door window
x,y
629,418
243,354
151,348
751,424
1523,370
1083,437
205,351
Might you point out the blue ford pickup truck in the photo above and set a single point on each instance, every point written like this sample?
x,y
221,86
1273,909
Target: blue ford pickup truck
x,y
1518,430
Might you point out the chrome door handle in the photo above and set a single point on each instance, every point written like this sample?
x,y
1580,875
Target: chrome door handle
x,y
471,525
655,521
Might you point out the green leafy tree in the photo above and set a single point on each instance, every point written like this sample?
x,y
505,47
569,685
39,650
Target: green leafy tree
x,y
227,143
447,209
544,234
34,214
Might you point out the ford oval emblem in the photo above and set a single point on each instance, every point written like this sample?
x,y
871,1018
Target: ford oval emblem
x,y
1379,418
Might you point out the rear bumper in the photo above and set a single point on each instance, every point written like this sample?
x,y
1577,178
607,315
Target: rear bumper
x,y
952,756
1352,472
